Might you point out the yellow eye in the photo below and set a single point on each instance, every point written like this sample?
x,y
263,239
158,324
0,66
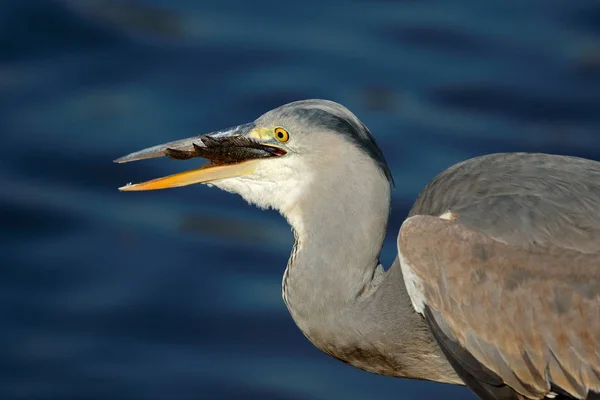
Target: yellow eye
x,y
282,135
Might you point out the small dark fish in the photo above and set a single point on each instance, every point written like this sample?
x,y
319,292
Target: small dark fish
x,y
225,150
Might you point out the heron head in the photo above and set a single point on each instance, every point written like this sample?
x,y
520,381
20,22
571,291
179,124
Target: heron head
x,y
287,153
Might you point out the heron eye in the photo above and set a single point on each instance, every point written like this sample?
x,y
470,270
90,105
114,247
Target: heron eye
x,y
282,135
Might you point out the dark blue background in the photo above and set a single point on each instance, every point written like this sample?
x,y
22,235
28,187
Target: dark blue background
x,y
176,294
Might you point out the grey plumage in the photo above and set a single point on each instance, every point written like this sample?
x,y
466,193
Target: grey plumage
x,y
533,220
522,199
497,282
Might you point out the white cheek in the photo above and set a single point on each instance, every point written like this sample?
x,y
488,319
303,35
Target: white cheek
x,y
274,184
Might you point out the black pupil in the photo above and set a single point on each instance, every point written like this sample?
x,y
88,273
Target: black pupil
x,y
280,134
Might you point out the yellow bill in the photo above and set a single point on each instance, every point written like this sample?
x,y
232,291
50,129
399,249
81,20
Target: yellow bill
x,y
203,174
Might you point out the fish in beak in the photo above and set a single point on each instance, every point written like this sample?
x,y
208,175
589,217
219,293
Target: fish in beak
x,y
230,153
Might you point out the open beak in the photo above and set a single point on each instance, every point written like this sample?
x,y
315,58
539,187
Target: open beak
x,y
231,153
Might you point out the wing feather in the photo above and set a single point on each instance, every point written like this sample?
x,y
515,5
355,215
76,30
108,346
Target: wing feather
x,y
529,315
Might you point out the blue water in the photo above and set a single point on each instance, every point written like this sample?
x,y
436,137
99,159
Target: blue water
x,y
176,294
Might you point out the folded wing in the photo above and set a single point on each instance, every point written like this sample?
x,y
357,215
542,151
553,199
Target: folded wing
x,y
514,320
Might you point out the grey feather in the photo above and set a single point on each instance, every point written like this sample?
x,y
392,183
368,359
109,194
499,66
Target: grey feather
x,y
525,199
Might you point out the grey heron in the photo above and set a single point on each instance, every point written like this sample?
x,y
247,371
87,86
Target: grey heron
x,y
497,281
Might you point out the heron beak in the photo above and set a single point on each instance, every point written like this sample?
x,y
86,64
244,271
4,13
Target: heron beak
x,y
231,153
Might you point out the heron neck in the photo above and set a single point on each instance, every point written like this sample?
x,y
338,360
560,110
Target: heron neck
x,y
338,239
339,295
